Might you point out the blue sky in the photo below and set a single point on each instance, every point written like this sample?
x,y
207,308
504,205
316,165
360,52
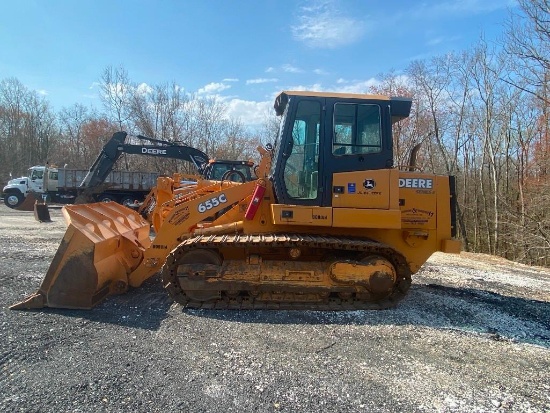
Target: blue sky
x,y
242,51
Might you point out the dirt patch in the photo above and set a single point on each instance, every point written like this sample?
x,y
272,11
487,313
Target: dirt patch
x,y
472,335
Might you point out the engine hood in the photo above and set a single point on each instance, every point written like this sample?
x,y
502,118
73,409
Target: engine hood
x,y
17,181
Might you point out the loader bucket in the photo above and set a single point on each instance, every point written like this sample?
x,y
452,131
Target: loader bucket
x,y
104,242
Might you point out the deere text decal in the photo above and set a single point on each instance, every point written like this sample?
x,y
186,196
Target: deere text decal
x,y
419,183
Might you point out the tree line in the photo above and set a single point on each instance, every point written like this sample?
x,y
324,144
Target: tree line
x,y
32,134
481,115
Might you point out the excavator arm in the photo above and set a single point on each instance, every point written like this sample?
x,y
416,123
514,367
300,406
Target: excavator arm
x,y
116,146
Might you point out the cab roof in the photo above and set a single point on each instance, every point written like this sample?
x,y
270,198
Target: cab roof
x,y
334,95
400,106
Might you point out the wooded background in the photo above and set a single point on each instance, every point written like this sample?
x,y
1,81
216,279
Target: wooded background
x,y
480,114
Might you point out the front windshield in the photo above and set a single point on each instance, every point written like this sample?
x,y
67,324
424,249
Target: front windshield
x,y
219,170
277,143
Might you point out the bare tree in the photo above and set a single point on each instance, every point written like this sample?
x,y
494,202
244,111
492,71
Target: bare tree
x,y
209,116
237,143
432,82
528,39
71,120
27,128
115,89
408,132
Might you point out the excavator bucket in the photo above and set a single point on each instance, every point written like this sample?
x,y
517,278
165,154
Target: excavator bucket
x,y
41,212
104,242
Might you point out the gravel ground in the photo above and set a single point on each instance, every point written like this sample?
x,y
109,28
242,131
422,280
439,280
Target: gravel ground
x,y
473,335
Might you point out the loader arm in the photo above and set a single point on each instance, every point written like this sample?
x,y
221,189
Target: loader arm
x,y
107,247
183,219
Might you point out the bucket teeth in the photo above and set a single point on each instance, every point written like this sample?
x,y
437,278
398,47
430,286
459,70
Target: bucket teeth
x,y
33,301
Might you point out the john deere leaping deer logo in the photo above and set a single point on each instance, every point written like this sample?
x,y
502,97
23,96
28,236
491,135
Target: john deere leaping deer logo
x,y
369,184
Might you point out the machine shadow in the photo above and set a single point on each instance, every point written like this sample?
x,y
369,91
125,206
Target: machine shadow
x,y
440,307
498,317
143,308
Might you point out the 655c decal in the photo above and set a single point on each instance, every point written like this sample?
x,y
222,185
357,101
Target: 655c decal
x,y
212,203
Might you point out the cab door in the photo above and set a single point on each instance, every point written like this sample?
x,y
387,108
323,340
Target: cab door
x,y
357,138
36,181
299,178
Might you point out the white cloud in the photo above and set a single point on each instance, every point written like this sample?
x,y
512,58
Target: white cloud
x,y
316,87
323,26
144,89
360,86
253,113
434,41
288,68
42,92
121,88
213,88
249,112
341,86
320,72
93,85
261,80
230,79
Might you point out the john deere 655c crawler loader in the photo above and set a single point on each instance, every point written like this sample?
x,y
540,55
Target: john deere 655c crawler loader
x,y
330,223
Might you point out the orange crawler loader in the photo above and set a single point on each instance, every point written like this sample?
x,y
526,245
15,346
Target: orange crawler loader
x,y
328,224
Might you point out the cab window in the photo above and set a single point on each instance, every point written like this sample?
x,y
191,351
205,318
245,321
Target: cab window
x,y
357,129
36,174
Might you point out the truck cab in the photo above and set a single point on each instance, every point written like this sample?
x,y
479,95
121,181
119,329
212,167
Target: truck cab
x,y
238,171
17,189
36,181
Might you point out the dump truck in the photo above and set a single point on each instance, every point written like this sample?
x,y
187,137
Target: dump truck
x,y
62,185
330,223
100,182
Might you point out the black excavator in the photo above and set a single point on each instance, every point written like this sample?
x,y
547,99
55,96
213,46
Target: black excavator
x,y
94,180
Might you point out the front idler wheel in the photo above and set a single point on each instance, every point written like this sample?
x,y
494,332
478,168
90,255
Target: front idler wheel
x,y
185,273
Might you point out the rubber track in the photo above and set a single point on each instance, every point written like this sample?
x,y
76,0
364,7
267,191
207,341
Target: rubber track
x,y
169,273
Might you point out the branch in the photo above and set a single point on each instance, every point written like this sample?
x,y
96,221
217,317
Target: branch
x,y
545,100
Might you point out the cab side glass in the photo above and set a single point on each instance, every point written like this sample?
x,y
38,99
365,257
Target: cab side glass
x,y
357,129
37,174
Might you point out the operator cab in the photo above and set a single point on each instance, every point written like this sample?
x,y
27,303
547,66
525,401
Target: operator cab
x,y
325,133
237,171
